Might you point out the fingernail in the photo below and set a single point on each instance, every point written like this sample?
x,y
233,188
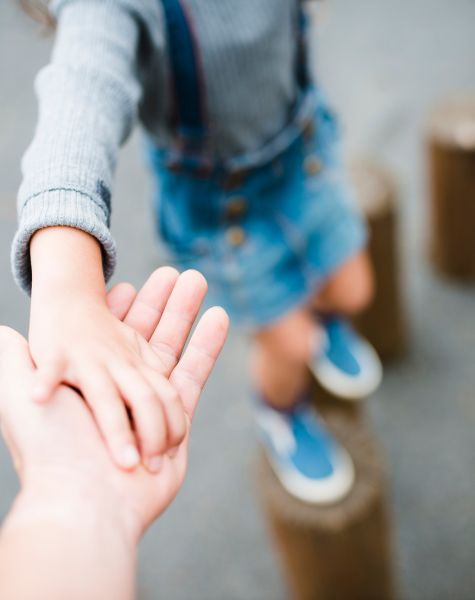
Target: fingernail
x,y
154,464
130,457
173,452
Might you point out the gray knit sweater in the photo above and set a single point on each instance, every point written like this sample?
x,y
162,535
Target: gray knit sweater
x,y
109,68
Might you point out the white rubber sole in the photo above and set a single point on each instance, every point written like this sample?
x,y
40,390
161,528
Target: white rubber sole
x,y
325,492
347,387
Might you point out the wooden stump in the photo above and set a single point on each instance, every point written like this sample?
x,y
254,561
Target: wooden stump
x,y
451,155
383,323
338,552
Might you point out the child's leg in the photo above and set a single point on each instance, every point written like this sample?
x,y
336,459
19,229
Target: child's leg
x,y
283,350
349,290
280,358
308,461
346,364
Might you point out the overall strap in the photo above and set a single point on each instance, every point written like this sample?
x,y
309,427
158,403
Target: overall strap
x,y
303,67
188,88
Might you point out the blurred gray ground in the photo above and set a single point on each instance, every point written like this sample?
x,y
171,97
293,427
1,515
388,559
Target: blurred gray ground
x,y
384,63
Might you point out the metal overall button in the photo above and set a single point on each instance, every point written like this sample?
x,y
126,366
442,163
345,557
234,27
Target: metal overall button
x,y
235,236
309,130
312,165
236,208
234,180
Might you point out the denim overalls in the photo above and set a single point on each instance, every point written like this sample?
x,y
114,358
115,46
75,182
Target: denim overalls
x,y
267,228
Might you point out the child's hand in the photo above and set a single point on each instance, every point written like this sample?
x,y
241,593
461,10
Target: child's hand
x,y
80,342
57,451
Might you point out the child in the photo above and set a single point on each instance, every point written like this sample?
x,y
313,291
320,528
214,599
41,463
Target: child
x,y
250,191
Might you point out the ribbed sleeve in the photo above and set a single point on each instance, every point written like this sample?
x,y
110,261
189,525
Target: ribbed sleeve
x,y
110,64
88,98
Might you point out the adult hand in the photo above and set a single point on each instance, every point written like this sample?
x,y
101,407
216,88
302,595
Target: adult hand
x,y
57,448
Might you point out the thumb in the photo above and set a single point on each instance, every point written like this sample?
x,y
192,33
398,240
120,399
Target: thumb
x,y
47,379
12,448
14,352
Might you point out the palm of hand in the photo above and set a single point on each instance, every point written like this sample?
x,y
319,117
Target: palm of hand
x,y
60,441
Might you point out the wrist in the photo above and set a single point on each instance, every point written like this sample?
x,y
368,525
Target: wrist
x,y
78,506
66,262
55,298
73,549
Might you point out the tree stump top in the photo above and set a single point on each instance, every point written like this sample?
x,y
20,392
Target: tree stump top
x,y
452,123
351,427
374,188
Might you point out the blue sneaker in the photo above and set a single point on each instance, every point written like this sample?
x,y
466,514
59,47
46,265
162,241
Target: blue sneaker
x,y
346,365
308,461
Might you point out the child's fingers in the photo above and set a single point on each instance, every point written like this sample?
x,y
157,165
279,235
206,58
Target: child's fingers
x,y
147,413
146,310
199,358
178,318
120,298
48,378
175,416
111,417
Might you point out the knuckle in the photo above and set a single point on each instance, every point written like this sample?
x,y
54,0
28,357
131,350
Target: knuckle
x,y
183,427
117,435
110,417
154,361
164,350
114,425
155,445
176,425
148,397
173,397
152,433
178,434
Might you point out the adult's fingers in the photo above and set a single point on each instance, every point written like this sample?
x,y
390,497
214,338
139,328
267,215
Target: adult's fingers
x,y
14,351
16,376
12,448
147,308
120,298
178,318
200,356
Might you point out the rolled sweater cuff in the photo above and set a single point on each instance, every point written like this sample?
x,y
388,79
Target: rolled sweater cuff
x,y
68,208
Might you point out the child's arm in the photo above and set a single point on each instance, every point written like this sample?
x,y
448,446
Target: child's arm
x,y
87,103
74,338
88,99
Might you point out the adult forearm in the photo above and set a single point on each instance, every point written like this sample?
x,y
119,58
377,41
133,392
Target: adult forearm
x,y
56,548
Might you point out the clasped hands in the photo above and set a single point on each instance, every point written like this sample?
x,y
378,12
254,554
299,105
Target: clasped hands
x,y
66,470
